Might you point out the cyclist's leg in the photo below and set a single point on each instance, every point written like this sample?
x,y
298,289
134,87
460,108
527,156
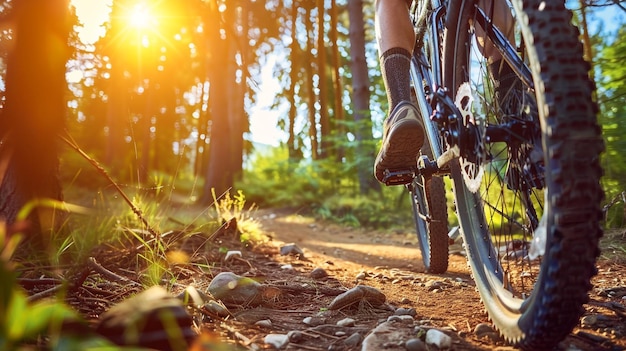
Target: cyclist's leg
x,y
500,14
403,133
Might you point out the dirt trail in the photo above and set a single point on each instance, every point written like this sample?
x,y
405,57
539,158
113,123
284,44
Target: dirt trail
x,y
391,262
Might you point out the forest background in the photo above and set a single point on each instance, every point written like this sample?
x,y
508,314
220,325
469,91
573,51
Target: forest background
x,y
170,97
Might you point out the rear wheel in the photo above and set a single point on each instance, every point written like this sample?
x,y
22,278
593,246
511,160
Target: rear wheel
x,y
533,174
431,222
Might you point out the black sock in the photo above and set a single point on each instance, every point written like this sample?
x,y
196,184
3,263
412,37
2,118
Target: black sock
x,y
395,64
504,77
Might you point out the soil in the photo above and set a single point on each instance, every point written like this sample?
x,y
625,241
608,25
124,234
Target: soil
x,y
388,261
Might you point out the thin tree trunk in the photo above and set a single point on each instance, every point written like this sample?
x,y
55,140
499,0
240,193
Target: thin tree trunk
x,y
361,97
323,90
293,78
338,125
311,89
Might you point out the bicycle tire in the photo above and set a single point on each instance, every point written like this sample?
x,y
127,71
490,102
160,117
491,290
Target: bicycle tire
x,y
430,214
537,316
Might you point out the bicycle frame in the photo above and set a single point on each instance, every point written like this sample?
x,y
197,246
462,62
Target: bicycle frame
x,y
446,134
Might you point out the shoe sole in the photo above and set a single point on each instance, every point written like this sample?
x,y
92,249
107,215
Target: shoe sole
x,y
405,139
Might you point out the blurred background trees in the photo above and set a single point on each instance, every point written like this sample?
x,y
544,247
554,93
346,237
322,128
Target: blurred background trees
x,y
282,99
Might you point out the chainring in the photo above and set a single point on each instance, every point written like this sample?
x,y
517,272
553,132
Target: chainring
x,y
472,169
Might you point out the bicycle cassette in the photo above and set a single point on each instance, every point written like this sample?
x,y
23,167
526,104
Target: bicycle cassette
x,y
474,156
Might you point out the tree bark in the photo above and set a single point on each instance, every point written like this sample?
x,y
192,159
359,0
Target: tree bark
x,y
322,85
293,78
34,113
337,124
360,98
311,97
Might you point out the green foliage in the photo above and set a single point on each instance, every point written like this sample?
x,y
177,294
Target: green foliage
x,y
612,100
23,322
327,188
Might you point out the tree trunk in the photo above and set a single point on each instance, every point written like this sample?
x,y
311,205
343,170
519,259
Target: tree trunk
x,y
337,124
308,24
219,175
293,78
361,97
323,90
34,113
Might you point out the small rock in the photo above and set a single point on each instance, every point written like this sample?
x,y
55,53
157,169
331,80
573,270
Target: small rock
x,y
595,321
313,321
191,296
401,318
265,323
291,249
287,267
483,329
295,336
318,273
217,309
346,322
340,333
231,288
356,295
148,319
405,312
353,340
438,339
278,341
231,255
415,345
361,276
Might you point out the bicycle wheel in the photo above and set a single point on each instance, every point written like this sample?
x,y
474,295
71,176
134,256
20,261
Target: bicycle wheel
x,y
534,169
430,213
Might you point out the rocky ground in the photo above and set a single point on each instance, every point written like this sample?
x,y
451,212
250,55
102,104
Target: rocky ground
x,y
319,286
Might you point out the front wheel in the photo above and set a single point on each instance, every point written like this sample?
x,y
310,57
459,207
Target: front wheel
x,y
527,192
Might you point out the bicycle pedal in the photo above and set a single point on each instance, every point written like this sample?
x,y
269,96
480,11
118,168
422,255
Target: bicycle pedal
x,y
400,177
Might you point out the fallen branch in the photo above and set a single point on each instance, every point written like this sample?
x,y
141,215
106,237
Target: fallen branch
x,y
107,273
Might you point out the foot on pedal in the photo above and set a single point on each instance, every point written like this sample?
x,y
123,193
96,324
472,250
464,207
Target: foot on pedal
x,y
400,177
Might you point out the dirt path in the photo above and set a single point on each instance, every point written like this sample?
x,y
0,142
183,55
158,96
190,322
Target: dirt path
x,y
390,262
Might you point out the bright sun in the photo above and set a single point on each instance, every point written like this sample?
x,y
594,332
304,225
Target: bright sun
x,y
139,16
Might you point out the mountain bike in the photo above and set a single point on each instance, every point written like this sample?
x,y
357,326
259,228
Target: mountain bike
x,y
524,163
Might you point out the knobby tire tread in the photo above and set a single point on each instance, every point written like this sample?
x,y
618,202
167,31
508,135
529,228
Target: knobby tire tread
x,y
572,145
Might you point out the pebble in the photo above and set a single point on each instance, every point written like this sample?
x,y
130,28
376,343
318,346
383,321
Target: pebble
x,y
191,296
401,318
318,273
595,321
405,312
265,323
415,345
313,321
486,330
231,288
291,249
353,340
278,341
356,295
217,309
295,336
438,339
346,322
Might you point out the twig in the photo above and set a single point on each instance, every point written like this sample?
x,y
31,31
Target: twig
x,y
107,273
45,293
72,143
